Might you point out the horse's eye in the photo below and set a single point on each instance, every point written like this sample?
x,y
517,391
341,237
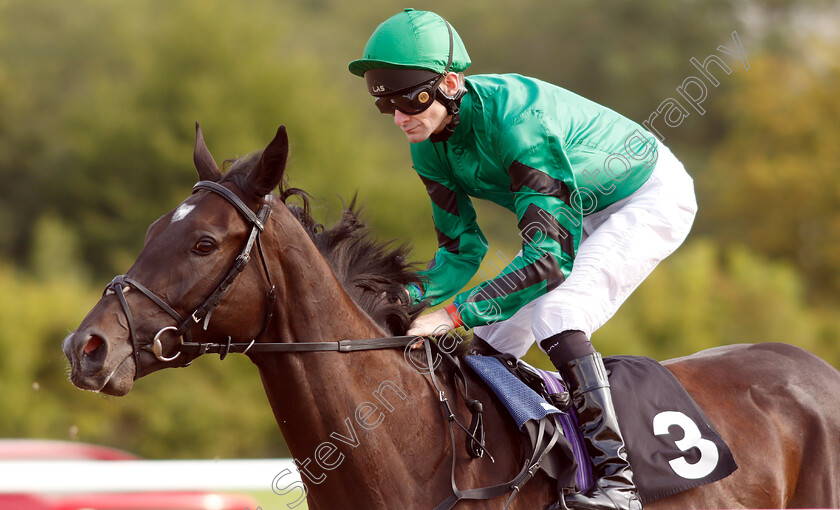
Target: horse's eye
x,y
204,247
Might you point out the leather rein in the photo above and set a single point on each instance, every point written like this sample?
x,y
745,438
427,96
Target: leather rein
x,y
475,439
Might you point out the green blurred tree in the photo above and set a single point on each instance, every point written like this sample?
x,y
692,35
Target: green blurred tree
x,y
99,130
773,184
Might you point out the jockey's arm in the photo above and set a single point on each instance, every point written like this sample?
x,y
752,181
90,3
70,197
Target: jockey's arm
x,y
461,243
543,184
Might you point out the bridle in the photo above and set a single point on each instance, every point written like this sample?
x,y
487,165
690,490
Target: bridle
x,y
203,312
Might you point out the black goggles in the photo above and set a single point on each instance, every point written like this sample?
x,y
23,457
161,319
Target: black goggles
x,y
411,101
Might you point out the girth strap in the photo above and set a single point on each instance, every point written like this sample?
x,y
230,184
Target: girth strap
x,y
529,470
476,444
475,438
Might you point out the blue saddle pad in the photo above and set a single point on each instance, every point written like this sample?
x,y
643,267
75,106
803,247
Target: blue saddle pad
x,y
522,402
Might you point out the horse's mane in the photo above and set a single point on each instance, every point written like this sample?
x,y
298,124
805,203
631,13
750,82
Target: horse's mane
x,y
372,272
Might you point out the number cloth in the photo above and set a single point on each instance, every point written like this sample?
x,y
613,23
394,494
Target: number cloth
x,y
671,444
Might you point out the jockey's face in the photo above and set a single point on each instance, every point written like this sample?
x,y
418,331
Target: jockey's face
x,y
420,126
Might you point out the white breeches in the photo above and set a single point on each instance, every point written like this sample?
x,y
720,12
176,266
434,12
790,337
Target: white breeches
x,y
619,247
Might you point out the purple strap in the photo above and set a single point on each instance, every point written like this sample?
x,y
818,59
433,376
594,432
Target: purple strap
x,y
569,422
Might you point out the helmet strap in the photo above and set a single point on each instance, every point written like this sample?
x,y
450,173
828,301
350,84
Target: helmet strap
x,y
453,107
452,103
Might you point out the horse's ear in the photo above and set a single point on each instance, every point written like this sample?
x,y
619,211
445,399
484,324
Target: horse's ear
x,y
268,174
204,162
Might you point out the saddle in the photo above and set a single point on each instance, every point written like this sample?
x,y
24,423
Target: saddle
x,y
671,444
551,452
568,463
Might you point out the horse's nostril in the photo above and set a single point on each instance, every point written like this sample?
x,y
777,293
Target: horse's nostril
x,y
94,343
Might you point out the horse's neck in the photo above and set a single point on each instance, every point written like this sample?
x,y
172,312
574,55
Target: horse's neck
x,y
358,403
314,306
359,427
315,396
364,427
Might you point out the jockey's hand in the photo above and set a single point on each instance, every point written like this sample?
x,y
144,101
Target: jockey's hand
x,y
431,324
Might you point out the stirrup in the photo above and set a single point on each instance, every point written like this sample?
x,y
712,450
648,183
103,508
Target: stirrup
x,y
607,500
560,504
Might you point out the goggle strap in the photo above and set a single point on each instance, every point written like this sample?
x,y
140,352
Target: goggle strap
x,y
451,44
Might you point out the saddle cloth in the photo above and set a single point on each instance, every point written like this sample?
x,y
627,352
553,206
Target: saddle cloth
x,y
671,444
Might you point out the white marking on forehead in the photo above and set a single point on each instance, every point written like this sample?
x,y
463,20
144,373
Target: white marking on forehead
x,y
181,212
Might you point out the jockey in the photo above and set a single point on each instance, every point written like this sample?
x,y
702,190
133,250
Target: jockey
x,y
599,202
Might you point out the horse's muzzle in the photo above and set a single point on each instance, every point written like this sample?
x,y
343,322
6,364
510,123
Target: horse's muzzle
x,y
95,364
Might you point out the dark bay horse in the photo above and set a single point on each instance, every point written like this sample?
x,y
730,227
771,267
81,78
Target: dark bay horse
x,y
365,428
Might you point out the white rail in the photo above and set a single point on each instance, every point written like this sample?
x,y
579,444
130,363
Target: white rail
x,y
74,476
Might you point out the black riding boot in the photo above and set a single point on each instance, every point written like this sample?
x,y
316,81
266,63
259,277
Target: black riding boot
x,y
590,389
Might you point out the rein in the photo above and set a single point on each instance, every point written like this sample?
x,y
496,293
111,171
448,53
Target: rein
x,y
368,344
475,439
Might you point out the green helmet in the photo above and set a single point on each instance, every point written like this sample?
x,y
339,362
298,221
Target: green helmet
x,y
413,40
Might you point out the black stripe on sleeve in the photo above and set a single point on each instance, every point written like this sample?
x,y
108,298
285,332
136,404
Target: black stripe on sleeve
x,y
523,175
536,219
446,242
545,268
442,196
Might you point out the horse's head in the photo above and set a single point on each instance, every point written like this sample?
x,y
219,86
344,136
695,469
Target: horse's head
x,y
174,287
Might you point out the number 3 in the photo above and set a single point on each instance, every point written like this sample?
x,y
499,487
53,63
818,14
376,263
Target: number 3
x,y
708,450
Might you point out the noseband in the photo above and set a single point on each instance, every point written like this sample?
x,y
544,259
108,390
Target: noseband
x,y
120,283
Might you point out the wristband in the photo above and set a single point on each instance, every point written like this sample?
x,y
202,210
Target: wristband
x,y
453,312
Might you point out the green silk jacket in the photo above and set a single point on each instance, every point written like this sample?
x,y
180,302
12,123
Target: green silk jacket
x,y
546,154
